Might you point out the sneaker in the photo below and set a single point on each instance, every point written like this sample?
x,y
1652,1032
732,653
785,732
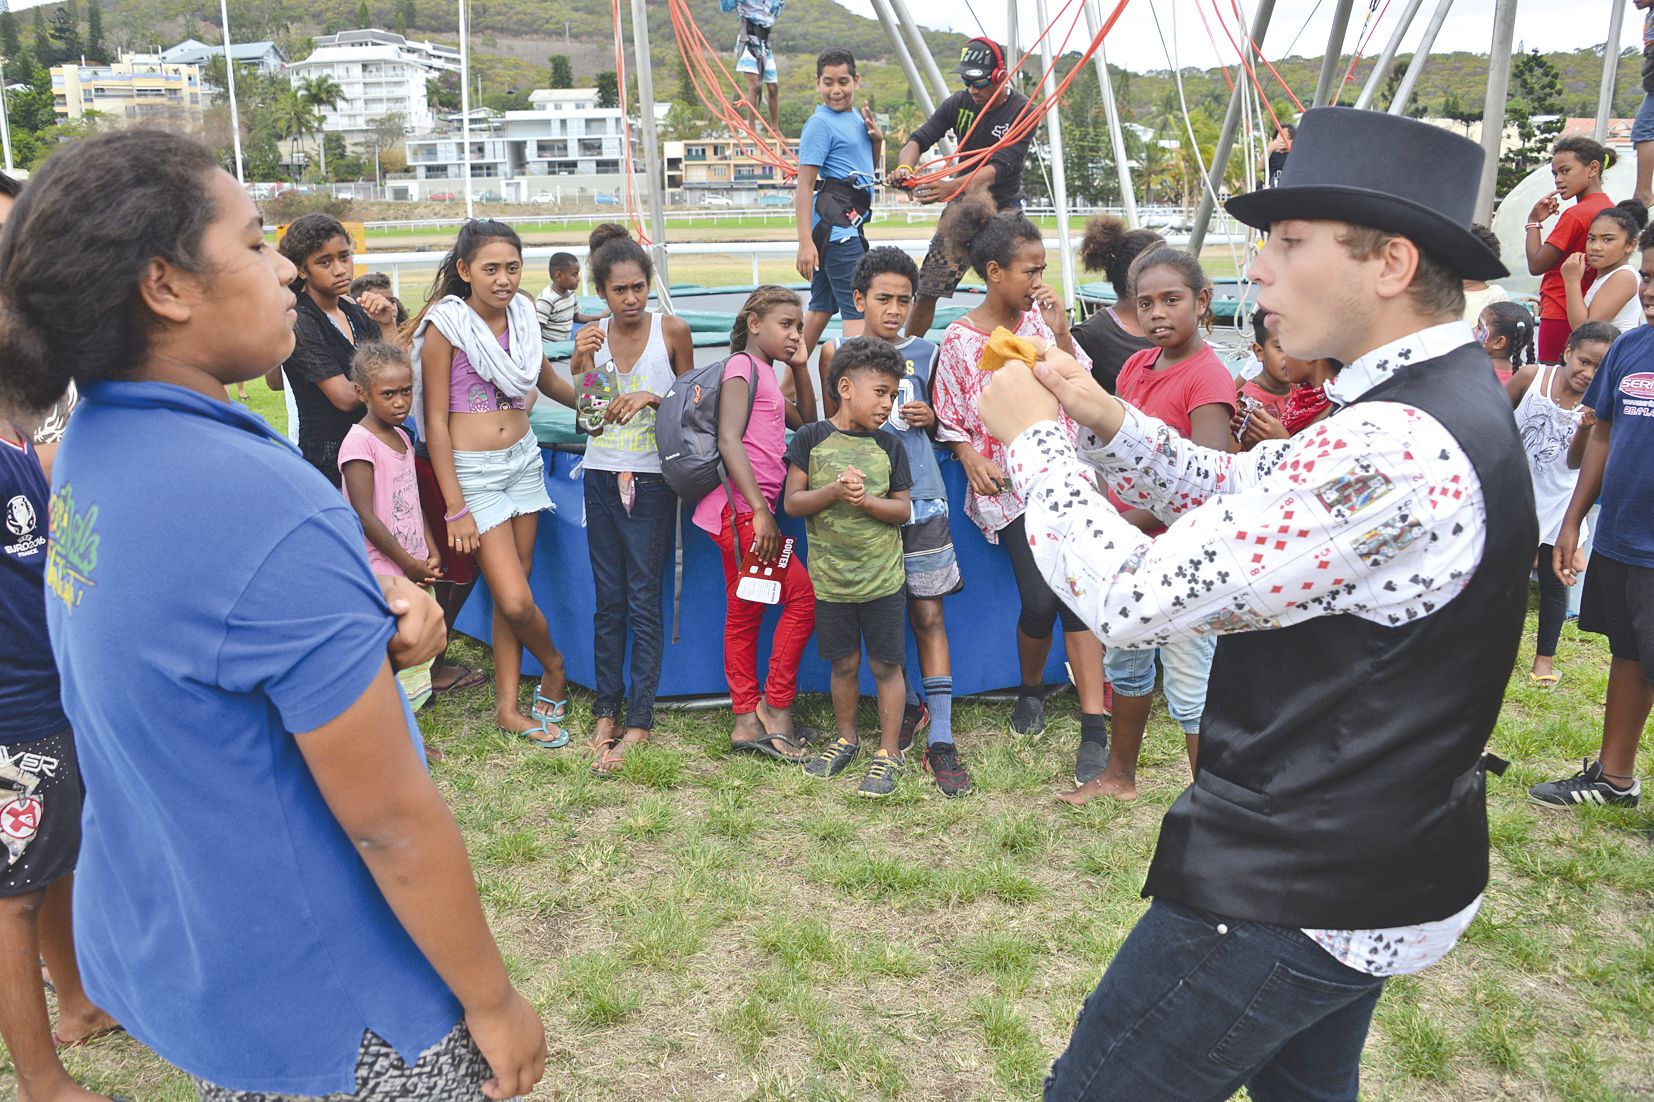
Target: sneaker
x,y
834,759
1585,787
1092,760
943,764
915,718
1028,717
882,774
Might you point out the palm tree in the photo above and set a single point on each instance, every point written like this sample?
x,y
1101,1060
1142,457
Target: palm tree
x,y
294,119
320,93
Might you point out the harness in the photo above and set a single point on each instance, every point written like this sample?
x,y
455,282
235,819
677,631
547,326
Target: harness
x,y
755,39
840,201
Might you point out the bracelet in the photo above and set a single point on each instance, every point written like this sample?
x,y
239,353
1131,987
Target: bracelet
x,y
1534,226
464,511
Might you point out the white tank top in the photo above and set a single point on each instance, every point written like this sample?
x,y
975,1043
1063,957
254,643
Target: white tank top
x,y
631,447
1547,429
1631,314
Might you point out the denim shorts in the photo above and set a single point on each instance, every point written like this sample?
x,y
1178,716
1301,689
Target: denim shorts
x,y
830,288
504,483
1187,664
1642,127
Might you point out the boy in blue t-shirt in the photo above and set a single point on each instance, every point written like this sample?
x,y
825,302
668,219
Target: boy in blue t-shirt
x,y
884,285
836,157
40,798
1619,584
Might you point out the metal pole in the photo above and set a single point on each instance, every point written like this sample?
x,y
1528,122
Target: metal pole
x,y
1404,90
1013,47
1381,67
464,110
1226,137
1116,135
904,58
920,49
1493,114
5,122
1610,69
651,150
1335,52
1059,177
229,73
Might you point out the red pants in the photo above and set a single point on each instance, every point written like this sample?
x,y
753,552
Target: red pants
x,y
742,620
1553,339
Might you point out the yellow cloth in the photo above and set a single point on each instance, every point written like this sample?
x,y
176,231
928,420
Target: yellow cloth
x,y
1005,346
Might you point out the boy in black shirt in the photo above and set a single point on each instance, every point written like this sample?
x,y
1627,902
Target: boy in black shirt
x,y
987,93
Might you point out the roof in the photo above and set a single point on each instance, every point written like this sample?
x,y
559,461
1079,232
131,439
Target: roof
x,y
192,51
335,55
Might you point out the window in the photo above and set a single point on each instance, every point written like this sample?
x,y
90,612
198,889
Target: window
x,y
591,147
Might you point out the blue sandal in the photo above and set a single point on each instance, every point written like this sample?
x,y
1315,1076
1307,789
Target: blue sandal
x,y
559,708
542,736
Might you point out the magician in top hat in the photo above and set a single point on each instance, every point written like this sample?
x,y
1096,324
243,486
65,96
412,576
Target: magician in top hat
x,y
1367,580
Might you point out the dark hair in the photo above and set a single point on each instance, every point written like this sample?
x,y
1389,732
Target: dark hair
x,y
835,55
1512,321
380,283
1486,236
306,235
884,260
1592,331
759,303
82,238
994,238
473,235
603,233
864,354
372,357
609,249
1628,214
1109,247
9,186
562,262
1186,266
1260,325
1436,288
1290,128
1586,149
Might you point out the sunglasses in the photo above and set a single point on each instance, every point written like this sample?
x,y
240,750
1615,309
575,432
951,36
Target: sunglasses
x,y
984,82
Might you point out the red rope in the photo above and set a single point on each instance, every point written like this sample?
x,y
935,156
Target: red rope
x,y
1361,49
699,59
1293,96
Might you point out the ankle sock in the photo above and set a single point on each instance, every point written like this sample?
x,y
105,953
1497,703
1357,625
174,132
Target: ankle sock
x,y
1094,728
939,698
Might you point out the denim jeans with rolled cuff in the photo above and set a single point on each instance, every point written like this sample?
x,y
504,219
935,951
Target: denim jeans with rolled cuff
x,y
629,553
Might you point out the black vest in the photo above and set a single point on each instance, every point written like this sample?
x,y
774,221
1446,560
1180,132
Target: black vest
x,y
1340,781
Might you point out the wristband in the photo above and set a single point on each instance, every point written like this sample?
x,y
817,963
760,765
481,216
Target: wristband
x,y
464,511
1534,226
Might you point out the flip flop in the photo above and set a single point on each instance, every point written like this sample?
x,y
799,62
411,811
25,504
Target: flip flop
x,y
89,1038
541,736
609,762
1545,682
470,679
559,708
797,753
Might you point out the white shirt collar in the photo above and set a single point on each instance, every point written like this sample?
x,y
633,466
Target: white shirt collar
x,y
1379,364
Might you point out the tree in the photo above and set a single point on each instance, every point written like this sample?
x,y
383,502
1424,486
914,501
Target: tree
x,y
11,46
444,91
685,123
44,52
65,24
384,133
320,93
294,119
562,73
686,93
608,89
95,49
407,14
1534,108
364,18
401,22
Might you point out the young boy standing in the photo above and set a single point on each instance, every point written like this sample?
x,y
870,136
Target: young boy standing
x,y
755,57
558,306
836,158
852,482
884,285
1619,584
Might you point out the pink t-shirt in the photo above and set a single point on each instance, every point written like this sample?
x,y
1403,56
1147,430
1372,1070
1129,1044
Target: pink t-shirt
x,y
395,493
765,442
1175,393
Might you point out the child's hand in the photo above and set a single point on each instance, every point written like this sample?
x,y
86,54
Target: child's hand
x,y
808,259
463,536
1261,425
872,124
1573,267
627,406
513,1041
766,536
983,473
918,415
376,306
1546,207
1050,308
1568,557
1587,415
424,573
589,340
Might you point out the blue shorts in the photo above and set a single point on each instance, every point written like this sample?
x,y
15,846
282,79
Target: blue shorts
x,y
1642,128
746,62
830,288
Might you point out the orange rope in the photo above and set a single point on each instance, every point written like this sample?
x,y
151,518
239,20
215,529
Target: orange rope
x,y
1361,49
699,59
1227,79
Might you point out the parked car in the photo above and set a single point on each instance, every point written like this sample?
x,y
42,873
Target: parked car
x,y
607,200
716,201
442,197
543,197
775,199
490,197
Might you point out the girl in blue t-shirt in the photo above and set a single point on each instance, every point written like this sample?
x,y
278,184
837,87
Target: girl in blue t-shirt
x,y
271,892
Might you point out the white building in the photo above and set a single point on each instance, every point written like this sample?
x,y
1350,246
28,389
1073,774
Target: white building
x,y
566,147
266,57
433,55
377,80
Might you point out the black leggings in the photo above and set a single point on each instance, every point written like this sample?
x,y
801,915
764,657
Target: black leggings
x,y
1553,602
1041,607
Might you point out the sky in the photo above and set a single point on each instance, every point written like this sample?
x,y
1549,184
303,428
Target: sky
x,y
1133,43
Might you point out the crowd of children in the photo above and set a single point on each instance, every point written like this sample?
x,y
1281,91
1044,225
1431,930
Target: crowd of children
x,y
422,427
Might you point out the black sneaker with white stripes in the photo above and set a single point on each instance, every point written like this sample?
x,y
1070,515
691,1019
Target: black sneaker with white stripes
x,y
1587,787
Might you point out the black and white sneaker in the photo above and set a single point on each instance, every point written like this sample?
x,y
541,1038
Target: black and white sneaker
x,y
1587,787
1028,716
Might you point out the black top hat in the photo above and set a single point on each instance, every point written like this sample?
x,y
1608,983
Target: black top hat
x,y
1386,172
980,59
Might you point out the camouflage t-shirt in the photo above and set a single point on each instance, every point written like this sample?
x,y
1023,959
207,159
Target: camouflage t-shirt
x,y
853,558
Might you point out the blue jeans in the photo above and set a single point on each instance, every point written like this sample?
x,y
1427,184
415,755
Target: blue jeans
x,y
1194,1006
1642,127
629,554
1187,666
830,291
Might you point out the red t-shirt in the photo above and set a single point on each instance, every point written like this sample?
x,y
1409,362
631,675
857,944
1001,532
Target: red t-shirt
x,y
1175,393
1274,403
1569,236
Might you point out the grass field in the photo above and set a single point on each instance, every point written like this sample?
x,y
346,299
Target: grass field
x,y
712,927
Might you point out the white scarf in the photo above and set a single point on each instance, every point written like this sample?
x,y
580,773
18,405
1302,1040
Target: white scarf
x,y
515,372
